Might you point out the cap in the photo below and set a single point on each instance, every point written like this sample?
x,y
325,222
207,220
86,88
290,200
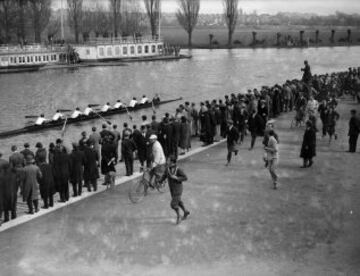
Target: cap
x,y
153,137
58,141
38,145
26,145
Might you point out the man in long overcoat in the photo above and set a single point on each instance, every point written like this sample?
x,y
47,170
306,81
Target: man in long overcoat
x,y
108,160
47,184
308,148
140,142
91,171
31,188
8,186
232,138
77,159
185,135
354,130
61,170
256,127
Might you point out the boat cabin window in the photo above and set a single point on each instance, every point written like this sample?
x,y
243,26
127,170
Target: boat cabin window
x,y
15,59
146,49
101,51
44,58
11,60
32,59
23,58
132,50
20,59
55,57
125,50
153,48
4,59
47,58
36,58
87,52
109,51
139,50
117,51
28,59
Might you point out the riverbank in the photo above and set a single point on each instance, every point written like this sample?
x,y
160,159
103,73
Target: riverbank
x,y
265,37
238,225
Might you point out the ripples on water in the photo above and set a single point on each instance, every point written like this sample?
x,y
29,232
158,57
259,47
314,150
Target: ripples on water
x,y
209,74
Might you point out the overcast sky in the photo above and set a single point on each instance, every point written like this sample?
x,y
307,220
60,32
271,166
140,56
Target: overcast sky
x,y
265,6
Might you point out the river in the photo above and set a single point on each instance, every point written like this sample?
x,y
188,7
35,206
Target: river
x,y
208,75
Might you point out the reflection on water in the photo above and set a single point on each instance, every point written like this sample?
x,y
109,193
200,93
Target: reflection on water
x,y
209,74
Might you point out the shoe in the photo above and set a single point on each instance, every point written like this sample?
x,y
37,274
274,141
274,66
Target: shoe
x,y
44,207
227,164
310,164
186,214
178,220
335,136
30,212
236,152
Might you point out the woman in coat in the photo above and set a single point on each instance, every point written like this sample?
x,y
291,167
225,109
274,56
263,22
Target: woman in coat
x,y
308,148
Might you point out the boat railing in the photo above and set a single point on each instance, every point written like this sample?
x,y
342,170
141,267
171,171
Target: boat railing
x,y
33,48
124,40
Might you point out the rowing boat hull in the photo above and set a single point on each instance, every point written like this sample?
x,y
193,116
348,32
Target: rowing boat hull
x,y
60,123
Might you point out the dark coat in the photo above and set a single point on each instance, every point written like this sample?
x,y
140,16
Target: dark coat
x,y
185,135
232,137
31,186
308,148
77,159
127,148
91,170
256,125
8,188
16,160
140,142
47,182
4,165
27,152
108,152
354,126
61,167
40,156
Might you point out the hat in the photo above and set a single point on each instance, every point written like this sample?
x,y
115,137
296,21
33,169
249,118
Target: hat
x,y
153,137
271,121
58,141
38,145
26,145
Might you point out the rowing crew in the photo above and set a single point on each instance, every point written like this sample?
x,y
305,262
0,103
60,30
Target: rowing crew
x,y
88,110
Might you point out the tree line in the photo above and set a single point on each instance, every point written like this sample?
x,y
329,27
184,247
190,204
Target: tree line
x,y
27,20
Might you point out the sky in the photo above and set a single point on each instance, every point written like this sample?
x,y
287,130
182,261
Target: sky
x,y
322,7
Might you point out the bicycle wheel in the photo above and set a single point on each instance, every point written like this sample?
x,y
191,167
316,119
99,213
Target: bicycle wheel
x,y
161,187
137,191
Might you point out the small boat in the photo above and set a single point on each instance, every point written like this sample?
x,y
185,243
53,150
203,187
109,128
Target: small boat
x,y
92,116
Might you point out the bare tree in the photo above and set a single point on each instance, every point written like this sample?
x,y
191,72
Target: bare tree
x,y
102,22
133,19
115,7
7,13
231,14
41,12
75,16
53,27
88,24
153,11
21,9
187,16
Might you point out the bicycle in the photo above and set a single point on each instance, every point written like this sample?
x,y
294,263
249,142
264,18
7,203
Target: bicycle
x,y
138,189
299,119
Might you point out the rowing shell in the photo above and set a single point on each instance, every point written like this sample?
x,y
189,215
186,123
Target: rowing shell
x,y
54,124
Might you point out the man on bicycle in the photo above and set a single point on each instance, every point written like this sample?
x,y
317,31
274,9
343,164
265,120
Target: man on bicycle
x,y
158,163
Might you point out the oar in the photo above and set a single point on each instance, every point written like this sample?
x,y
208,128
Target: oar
x,y
31,116
64,110
108,122
131,118
64,128
153,107
93,105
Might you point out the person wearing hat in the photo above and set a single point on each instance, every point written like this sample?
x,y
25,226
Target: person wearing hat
x,y
95,139
77,160
40,120
61,165
31,187
175,177
26,151
128,148
8,190
46,183
40,154
232,136
308,148
91,164
158,158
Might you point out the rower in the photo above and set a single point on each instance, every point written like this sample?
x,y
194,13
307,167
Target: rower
x,y
76,113
118,104
133,102
106,107
88,110
156,99
144,100
58,116
40,120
